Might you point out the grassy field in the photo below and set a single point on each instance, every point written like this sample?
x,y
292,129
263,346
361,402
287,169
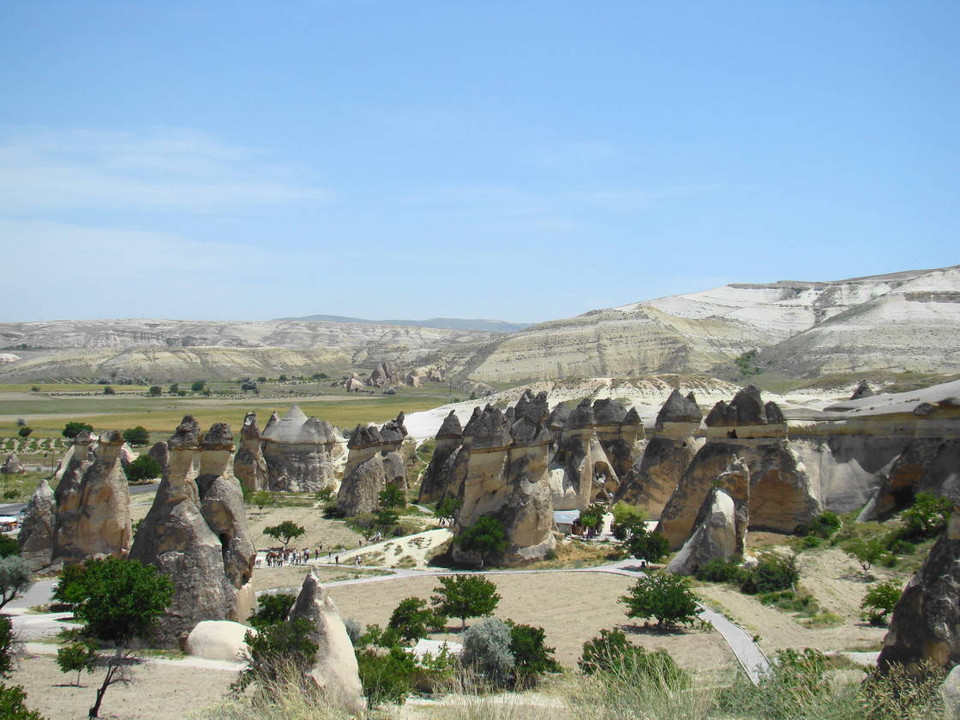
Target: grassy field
x,y
47,413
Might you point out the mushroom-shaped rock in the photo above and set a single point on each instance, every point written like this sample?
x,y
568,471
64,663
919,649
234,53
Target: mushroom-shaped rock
x,y
437,480
534,408
37,532
487,429
334,666
749,406
249,465
298,452
678,409
103,521
714,535
75,464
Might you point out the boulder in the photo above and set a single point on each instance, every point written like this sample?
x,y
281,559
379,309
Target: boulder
x,y
38,528
714,535
925,625
249,465
950,693
217,640
334,669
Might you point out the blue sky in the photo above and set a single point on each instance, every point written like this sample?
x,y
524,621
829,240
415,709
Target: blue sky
x,y
523,161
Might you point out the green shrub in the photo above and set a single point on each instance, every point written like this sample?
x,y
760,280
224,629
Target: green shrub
x,y
610,652
880,601
273,609
143,468
772,572
8,642
412,619
485,537
74,428
663,596
651,546
274,650
531,656
8,546
11,704
927,516
77,657
137,436
465,596
386,677
718,570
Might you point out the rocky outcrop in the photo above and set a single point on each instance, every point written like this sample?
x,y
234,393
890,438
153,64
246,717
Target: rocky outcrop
x,y
715,465
334,668
299,452
507,477
717,534
863,390
383,375
437,480
38,528
581,471
75,464
374,461
12,465
927,464
667,455
161,455
196,534
620,432
249,465
925,625
746,416
103,512
781,494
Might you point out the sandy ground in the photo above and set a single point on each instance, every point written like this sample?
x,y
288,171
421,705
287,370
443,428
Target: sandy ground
x,y
159,691
570,607
837,584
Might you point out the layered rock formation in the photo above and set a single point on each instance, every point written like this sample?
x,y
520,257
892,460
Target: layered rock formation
x,y
383,374
374,461
94,518
507,477
334,667
667,455
718,533
249,465
438,477
744,438
196,533
38,528
925,625
299,452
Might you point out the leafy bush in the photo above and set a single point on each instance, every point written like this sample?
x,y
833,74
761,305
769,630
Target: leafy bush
x,y
663,596
592,517
7,643
144,468
74,428
651,546
486,651
485,537
823,525
273,609
137,436
11,704
865,550
15,578
610,652
773,572
531,656
392,497
386,677
8,546
77,657
276,649
880,601
795,683
25,431
718,570
412,619
927,516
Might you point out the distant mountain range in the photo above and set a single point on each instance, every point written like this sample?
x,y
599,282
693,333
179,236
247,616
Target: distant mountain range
x,y
498,326
907,321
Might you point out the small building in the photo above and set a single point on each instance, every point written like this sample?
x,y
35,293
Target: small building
x,y
566,520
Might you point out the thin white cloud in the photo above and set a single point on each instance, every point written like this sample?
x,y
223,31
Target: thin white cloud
x,y
156,170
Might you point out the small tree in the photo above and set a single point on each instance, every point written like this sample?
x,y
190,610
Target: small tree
x,y
412,619
8,546
651,546
136,435
74,428
143,468
866,551
773,572
531,656
880,601
174,389
592,517
77,657
197,385
927,516
392,497
285,531
464,596
261,499
7,643
108,390
155,391
117,600
25,431
15,578
663,596
485,537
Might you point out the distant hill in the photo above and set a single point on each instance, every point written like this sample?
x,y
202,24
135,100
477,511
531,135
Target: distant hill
x,y
498,326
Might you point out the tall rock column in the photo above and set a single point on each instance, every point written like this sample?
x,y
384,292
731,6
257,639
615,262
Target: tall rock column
x,y
588,473
299,452
249,465
103,519
438,477
37,532
78,460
